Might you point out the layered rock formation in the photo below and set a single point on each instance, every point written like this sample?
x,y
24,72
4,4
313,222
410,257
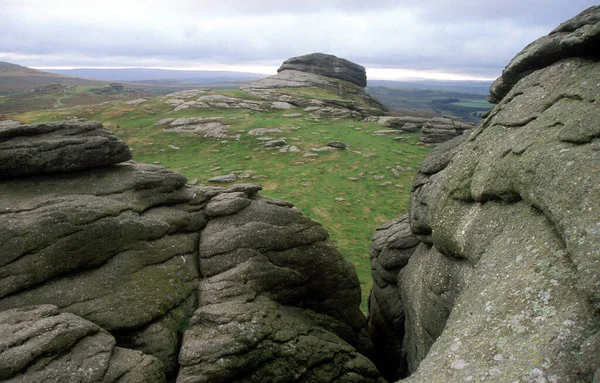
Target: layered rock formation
x,y
505,285
342,81
149,278
328,66
434,130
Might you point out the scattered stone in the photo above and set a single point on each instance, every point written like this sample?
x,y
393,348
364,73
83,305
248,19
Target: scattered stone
x,y
353,179
379,177
136,102
367,155
337,145
395,172
385,132
292,115
261,131
294,148
174,147
224,179
193,181
282,105
385,183
323,149
274,143
309,154
400,138
339,199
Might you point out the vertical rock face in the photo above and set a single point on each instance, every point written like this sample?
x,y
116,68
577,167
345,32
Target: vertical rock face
x,y
191,283
506,283
393,245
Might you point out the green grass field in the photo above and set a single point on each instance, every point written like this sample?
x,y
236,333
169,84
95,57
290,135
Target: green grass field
x,y
350,192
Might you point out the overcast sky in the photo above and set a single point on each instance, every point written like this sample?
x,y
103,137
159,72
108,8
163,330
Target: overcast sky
x,y
424,38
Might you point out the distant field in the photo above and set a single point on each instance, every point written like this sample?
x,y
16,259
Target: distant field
x,y
467,106
350,192
477,104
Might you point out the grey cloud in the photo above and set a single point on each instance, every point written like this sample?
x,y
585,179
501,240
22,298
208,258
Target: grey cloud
x,y
474,37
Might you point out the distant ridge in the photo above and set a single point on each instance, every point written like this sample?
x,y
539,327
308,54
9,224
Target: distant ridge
x,y
148,74
18,79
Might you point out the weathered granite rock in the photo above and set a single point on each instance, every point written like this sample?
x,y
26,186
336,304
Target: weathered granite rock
x,y
57,147
578,36
276,299
139,253
40,344
404,123
506,285
223,179
342,80
337,144
328,66
441,129
263,341
392,247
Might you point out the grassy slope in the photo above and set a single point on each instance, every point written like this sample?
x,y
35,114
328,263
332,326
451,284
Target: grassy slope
x,y
312,184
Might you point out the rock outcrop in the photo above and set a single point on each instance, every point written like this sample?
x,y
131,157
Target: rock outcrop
x,y
40,344
334,82
442,129
192,283
505,284
57,147
434,130
328,66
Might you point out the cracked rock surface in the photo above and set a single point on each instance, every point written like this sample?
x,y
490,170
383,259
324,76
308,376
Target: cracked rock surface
x,y
124,272
40,344
58,147
505,285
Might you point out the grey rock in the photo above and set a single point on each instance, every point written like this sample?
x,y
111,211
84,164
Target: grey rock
x,y
263,341
329,66
337,145
509,217
41,344
114,228
282,105
261,131
391,248
58,147
578,36
401,123
441,129
274,143
223,179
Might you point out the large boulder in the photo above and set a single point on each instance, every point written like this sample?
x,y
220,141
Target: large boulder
x,y
328,66
57,147
275,290
40,344
441,129
505,285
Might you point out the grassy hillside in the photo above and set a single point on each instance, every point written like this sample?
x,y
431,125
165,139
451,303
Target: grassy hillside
x,y
351,192
18,79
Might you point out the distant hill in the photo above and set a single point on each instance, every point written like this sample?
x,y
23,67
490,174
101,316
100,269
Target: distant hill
x,y
18,79
473,87
147,74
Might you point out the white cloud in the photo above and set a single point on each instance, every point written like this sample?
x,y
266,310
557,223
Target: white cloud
x,y
474,38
